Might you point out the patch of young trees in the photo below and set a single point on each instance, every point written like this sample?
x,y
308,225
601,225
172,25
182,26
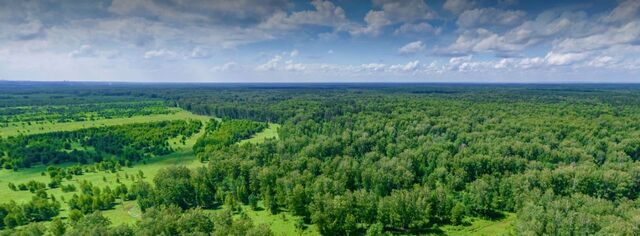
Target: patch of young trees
x,y
223,134
164,220
80,112
111,146
36,210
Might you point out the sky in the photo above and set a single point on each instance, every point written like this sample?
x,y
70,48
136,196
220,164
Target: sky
x,y
480,41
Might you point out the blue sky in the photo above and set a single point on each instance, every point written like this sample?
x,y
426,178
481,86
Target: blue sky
x,y
320,41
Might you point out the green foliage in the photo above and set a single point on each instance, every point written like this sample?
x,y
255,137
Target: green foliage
x,y
112,145
79,112
395,159
219,135
38,209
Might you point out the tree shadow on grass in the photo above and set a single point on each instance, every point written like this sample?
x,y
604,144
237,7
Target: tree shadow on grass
x,y
494,215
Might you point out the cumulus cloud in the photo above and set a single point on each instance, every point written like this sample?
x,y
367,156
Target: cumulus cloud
x,y
374,67
375,20
160,53
490,16
481,41
230,12
325,14
626,34
561,59
458,6
602,61
272,64
393,12
229,66
405,11
292,66
419,28
88,51
409,67
111,38
412,48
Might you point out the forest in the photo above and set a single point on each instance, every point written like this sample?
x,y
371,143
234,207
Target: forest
x,y
351,159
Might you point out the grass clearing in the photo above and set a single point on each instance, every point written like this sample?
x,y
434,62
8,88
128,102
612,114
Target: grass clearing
x,y
128,211
480,226
282,223
38,128
271,132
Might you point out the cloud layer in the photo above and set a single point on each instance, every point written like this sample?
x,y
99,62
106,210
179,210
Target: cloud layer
x,y
320,40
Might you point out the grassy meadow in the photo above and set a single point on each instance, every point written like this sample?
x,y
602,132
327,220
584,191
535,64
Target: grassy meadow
x,y
128,212
37,128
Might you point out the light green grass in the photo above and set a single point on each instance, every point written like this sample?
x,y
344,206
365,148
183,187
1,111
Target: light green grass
x,y
127,212
282,223
271,132
37,128
483,227
183,156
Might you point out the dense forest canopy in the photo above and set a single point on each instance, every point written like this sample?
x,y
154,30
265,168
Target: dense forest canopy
x,y
368,159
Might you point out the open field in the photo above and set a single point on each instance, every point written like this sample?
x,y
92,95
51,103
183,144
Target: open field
x,y
184,156
128,212
482,227
270,132
37,128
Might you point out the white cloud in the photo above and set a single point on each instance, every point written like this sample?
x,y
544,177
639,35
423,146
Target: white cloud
x,y
393,12
412,48
409,67
270,65
553,24
626,10
481,41
626,34
229,66
325,14
374,66
527,63
419,28
230,12
405,11
490,16
294,53
561,59
458,6
292,66
161,53
198,52
458,60
602,61
375,20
